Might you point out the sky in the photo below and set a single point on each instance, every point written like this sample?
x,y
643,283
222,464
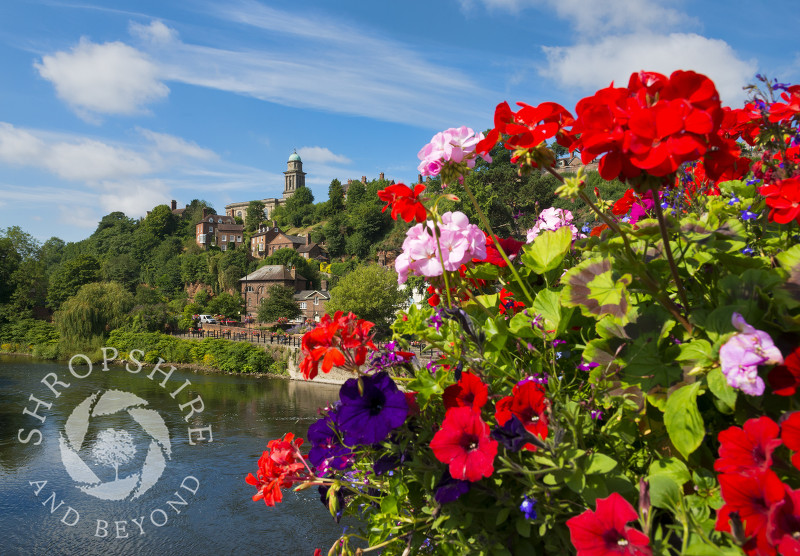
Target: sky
x,y
121,105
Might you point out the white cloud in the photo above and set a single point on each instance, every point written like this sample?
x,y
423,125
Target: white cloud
x,y
134,198
90,161
169,144
321,155
18,146
109,78
596,17
78,216
156,32
589,66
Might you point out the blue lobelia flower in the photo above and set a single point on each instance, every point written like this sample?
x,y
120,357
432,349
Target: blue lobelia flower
x,y
747,214
528,507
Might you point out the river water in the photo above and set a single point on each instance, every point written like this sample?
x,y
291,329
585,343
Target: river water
x,y
199,503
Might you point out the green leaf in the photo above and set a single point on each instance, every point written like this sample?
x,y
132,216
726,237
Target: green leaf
x,y
425,386
593,286
599,463
389,505
520,325
682,419
523,527
502,515
548,304
547,250
664,492
697,352
674,468
719,386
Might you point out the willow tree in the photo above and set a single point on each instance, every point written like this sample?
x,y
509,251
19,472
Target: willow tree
x,y
92,313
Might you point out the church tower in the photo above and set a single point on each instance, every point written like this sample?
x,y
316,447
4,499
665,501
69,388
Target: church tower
x,y
294,176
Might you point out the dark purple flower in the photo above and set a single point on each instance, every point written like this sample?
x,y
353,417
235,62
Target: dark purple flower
x,y
386,463
367,416
597,414
326,449
512,435
527,507
587,366
449,489
436,319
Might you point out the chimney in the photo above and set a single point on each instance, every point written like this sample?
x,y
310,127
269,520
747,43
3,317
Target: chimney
x,y
293,273
308,238
323,284
174,204
274,223
419,178
381,176
364,179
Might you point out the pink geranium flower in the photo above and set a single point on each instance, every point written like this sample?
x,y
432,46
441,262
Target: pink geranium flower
x,y
741,355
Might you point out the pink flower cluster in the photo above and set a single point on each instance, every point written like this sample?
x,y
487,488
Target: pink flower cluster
x,y
552,219
741,355
460,242
453,145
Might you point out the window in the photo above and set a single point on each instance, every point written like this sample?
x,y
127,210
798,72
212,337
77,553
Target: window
x,y
201,238
211,229
249,288
239,213
316,301
260,246
224,247
224,238
239,239
302,305
211,220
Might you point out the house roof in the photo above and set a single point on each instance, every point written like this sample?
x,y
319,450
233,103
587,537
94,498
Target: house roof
x,y
309,247
271,273
230,228
306,294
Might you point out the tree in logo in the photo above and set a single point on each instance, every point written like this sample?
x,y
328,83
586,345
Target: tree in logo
x,y
113,448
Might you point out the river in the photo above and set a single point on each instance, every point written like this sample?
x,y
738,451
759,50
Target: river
x,y
195,500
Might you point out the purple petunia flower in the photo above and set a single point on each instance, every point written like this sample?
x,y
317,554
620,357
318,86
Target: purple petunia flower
x,y
367,417
512,435
588,366
527,507
597,414
326,449
741,355
449,489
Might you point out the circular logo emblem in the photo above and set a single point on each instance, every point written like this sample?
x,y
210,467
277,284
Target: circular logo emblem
x,y
112,448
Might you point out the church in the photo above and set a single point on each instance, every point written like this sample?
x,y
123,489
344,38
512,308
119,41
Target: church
x,y
294,179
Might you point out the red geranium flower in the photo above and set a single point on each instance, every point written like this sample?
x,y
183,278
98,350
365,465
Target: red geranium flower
x,y
404,202
784,111
507,303
747,449
529,404
751,496
605,532
280,466
470,392
339,341
464,444
509,245
785,378
783,198
790,434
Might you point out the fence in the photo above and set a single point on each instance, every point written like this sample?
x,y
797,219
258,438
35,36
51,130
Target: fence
x,y
292,341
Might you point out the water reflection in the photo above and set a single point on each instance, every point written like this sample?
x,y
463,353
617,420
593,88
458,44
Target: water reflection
x,y
219,518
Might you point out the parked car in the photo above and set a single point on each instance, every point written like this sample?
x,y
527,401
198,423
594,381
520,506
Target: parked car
x,y
207,319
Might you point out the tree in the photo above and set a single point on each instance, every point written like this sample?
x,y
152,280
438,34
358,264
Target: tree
x,y
113,448
279,303
91,313
226,304
254,215
308,269
335,197
24,243
371,292
123,269
355,193
68,278
161,222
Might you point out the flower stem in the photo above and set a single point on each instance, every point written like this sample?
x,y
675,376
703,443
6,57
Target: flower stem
x,y
662,225
496,241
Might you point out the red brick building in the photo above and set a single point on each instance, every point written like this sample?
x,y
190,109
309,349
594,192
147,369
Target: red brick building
x,y
254,286
218,230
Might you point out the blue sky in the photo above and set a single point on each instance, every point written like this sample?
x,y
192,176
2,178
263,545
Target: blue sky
x,y
126,104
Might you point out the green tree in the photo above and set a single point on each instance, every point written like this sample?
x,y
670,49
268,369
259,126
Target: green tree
x,y
88,316
371,292
279,303
254,215
24,243
226,304
69,276
356,192
161,222
123,269
335,197
10,260
308,269
335,230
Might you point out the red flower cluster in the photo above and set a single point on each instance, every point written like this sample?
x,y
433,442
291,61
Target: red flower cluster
x,y
404,201
341,341
528,403
510,246
529,127
783,198
464,444
605,532
785,111
768,509
507,303
654,125
785,379
280,466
